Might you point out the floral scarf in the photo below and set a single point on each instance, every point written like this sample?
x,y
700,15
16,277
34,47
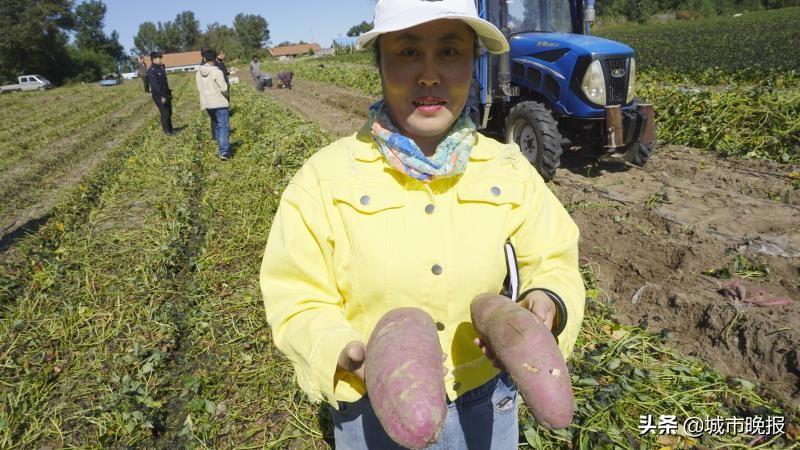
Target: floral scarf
x,y
403,154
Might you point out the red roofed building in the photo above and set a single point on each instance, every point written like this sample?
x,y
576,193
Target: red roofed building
x,y
291,51
180,62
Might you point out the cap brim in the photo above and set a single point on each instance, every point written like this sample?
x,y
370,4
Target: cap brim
x,y
489,35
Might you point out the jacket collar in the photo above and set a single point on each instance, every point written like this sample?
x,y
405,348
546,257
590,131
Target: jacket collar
x,y
367,151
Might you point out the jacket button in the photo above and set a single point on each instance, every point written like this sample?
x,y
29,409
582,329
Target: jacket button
x,y
365,200
440,326
436,269
456,386
496,191
429,209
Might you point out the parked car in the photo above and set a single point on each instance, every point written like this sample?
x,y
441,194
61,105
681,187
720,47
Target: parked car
x,y
111,79
28,83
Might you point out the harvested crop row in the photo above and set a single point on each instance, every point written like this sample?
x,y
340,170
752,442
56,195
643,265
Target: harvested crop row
x,y
88,333
53,108
236,389
87,116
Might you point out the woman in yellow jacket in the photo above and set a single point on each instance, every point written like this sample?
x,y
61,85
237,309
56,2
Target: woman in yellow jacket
x,y
416,209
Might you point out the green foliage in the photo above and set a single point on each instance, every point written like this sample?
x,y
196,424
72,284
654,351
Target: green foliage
x,y
752,120
252,31
754,43
33,38
358,30
222,37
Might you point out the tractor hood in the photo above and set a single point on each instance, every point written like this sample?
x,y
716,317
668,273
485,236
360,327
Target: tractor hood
x,y
528,44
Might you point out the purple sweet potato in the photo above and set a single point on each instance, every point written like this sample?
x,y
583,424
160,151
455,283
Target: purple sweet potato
x,y
528,351
405,377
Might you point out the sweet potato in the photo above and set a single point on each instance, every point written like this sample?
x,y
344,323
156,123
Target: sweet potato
x,y
528,351
405,377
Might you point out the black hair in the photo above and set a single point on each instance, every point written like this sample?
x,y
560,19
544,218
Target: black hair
x,y
209,55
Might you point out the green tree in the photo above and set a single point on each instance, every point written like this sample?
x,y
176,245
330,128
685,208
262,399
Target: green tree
x,y
169,38
222,37
189,30
358,30
252,31
33,38
146,39
89,34
89,18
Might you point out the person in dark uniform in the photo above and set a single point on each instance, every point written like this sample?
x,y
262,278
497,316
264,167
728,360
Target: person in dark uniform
x,y
159,89
142,72
221,64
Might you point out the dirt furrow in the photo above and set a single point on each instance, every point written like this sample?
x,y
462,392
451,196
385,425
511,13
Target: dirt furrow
x,y
338,111
651,234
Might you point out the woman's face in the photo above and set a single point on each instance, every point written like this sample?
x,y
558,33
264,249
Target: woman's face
x,y
426,73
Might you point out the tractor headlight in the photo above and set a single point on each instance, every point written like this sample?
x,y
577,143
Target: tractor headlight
x,y
594,84
631,81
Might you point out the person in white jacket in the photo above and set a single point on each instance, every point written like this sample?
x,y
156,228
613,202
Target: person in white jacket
x,y
214,98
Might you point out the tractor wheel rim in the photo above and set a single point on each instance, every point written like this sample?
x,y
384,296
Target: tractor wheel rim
x,y
525,137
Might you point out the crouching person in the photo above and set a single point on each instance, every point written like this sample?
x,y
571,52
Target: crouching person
x,y
214,98
285,79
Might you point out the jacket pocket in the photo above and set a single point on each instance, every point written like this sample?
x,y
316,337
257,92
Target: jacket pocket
x,y
367,199
494,191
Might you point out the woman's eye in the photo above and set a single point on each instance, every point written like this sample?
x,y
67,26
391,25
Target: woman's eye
x,y
408,52
449,52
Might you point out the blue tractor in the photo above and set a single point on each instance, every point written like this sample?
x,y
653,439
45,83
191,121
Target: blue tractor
x,y
559,87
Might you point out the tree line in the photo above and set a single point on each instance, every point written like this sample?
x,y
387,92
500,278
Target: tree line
x,y
57,39
248,33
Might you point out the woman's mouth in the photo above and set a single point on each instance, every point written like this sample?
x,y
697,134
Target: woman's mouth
x,y
429,105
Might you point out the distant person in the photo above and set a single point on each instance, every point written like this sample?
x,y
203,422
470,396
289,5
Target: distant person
x,y
159,89
142,72
214,99
264,81
285,79
220,62
255,70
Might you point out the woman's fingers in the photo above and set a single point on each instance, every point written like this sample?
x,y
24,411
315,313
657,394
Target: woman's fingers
x,y
352,358
541,306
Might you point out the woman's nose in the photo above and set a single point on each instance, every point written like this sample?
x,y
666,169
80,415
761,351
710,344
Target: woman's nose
x,y
429,76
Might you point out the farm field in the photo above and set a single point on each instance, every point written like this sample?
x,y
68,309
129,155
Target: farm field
x,y
130,314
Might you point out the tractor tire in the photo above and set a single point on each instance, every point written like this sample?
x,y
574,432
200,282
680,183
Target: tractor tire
x,y
531,126
637,153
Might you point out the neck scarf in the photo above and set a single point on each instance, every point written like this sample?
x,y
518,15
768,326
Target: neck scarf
x,y
403,154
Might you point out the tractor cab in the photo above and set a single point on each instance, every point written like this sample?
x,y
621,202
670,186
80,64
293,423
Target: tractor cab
x,y
560,87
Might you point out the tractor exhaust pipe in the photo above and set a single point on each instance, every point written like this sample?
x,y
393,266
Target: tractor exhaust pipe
x,y
504,72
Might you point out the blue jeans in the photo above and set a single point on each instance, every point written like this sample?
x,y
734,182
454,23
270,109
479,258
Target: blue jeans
x,y
484,418
220,119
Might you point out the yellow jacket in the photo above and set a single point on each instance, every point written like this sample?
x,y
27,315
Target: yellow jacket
x,y
353,239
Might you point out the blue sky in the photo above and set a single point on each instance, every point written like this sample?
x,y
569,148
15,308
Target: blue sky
x,y
292,20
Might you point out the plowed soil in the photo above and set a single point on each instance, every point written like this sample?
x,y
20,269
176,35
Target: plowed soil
x,y
649,234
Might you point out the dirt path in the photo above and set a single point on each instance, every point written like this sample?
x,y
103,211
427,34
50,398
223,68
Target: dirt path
x,y
659,228
338,111
79,156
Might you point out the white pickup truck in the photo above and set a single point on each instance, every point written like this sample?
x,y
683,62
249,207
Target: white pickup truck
x,y
28,83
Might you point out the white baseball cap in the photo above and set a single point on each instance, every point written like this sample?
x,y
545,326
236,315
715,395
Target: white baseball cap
x,y
396,15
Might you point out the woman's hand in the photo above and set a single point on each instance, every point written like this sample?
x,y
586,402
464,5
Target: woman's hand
x,y
540,305
351,358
